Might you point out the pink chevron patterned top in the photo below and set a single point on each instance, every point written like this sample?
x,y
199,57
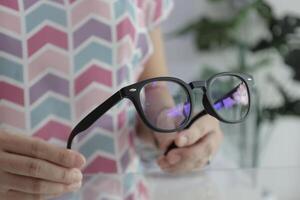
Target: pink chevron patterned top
x,y
61,58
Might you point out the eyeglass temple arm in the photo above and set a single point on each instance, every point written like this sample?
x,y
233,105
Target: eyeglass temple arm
x,y
86,122
199,115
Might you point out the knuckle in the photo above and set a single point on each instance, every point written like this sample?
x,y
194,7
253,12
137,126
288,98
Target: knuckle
x,y
63,157
34,168
35,147
37,186
64,176
3,137
2,160
62,190
8,195
4,183
3,132
38,197
3,190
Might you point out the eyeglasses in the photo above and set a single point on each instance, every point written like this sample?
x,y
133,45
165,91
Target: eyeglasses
x,y
165,104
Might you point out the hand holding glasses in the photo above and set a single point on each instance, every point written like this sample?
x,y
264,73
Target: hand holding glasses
x,y
165,104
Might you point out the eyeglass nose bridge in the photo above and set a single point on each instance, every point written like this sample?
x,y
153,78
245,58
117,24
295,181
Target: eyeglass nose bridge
x,y
199,84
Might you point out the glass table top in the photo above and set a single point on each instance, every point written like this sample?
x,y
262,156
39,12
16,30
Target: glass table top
x,y
232,175
270,183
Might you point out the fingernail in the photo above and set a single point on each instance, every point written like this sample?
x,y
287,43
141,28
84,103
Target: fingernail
x,y
183,140
74,186
173,159
76,175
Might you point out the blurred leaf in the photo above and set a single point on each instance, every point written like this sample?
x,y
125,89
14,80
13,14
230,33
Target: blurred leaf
x,y
293,60
286,26
289,107
208,71
281,30
262,45
264,10
216,33
209,33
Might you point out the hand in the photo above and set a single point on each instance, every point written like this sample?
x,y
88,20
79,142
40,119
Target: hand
x,y
30,168
196,145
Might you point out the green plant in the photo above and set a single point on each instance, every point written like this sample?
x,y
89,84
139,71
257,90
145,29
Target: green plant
x,y
211,34
214,34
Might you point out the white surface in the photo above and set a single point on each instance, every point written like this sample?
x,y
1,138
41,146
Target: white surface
x,y
283,147
228,185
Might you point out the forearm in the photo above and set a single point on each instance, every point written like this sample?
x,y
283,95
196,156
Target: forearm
x,y
154,67
156,64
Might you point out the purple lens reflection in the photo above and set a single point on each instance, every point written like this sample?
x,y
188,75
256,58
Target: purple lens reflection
x,y
225,103
179,110
187,109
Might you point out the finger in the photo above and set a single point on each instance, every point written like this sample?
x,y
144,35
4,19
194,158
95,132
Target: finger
x,y
190,136
164,140
163,162
32,167
13,195
36,186
198,130
38,148
195,155
178,169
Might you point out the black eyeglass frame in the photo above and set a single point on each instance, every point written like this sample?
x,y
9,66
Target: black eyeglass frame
x,y
132,92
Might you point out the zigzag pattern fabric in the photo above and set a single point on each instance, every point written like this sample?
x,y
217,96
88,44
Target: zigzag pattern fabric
x,y
61,58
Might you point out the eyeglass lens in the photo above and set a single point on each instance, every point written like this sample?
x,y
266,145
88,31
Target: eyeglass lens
x,y
166,104
230,97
